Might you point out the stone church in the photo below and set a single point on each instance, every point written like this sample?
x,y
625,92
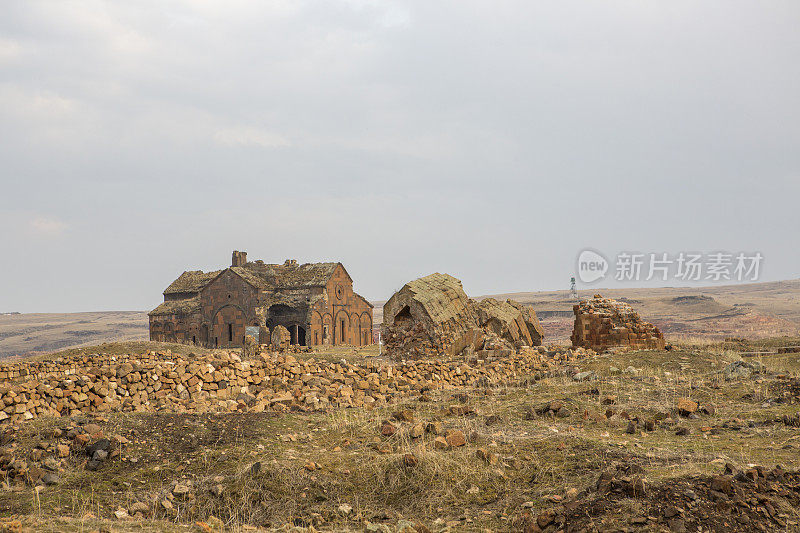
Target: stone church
x,y
314,301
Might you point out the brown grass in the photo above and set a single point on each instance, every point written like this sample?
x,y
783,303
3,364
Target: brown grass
x,y
538,456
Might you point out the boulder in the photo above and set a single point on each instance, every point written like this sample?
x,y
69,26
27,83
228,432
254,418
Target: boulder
x,y
686,406
280,338
742,370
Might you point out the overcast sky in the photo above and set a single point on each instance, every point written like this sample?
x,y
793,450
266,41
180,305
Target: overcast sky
x,y
490,140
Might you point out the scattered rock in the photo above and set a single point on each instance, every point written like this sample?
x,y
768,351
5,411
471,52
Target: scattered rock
x,y
455,438
388,429
405,415
435,427
585,376
486,456
410,460
139,507
51,478
686,406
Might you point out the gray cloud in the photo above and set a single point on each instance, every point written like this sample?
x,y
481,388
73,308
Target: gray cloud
x,y
489,140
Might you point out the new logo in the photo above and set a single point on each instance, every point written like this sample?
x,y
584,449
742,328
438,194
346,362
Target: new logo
x,y
591,266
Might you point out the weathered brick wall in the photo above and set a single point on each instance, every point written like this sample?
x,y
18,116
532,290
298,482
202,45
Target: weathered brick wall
x,y
227,305
174,328
150,382
347,316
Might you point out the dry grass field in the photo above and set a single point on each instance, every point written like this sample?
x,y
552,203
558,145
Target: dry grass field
x,y
532,453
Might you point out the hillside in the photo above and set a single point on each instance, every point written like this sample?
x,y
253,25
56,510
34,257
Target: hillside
x,y
36,333
545,440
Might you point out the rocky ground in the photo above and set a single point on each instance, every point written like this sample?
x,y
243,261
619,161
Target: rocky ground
x,y
697,438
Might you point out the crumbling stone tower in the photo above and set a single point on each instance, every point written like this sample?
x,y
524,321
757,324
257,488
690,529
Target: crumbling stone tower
x,y
602,323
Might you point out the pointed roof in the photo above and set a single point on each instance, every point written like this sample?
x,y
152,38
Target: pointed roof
x,y
191,281
363,300
185,306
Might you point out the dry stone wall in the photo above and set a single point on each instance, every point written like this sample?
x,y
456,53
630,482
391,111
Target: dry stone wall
x,y
225,382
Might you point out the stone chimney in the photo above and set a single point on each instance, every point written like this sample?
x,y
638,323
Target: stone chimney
x,y
238,258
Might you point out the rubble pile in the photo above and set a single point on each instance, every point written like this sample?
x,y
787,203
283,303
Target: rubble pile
x,y
224,382
55,450
753,499
432,316
602,323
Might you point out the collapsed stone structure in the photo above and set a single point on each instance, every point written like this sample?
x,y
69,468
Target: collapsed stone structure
x,y
432,316
315,302
602,323
163,381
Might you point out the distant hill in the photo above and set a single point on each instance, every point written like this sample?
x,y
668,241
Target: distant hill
x,y
755,310
37,333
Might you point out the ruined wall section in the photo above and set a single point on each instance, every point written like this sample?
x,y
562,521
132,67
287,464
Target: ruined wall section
x,y
504,320
176,321
602,323
432,316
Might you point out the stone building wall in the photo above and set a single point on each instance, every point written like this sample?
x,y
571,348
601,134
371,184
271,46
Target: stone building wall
x,y
183,329
228,305
314,302
348,316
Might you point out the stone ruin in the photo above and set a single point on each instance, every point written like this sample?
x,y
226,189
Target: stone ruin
x,y
280,338
432,316
602,323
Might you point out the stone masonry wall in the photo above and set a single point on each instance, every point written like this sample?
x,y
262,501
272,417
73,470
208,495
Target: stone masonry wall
x,y
602,323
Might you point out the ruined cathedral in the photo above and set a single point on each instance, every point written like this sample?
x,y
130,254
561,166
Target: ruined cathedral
x,y
314,301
